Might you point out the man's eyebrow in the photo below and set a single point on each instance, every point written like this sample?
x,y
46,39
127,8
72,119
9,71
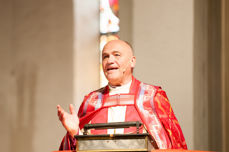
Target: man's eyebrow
x,y
116,52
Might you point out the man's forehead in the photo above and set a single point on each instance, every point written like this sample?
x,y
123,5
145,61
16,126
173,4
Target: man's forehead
x,y
117,46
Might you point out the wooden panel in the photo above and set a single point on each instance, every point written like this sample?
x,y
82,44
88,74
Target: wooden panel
x,y
207,75
225,73
200,72
214,75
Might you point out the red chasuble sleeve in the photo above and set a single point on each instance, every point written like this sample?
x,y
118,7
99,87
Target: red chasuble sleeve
x,y
68,143
168,119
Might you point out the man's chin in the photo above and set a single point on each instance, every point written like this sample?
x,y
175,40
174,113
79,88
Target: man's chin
x,y
113,80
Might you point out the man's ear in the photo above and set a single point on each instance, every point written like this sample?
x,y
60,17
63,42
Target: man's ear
x,y
133,61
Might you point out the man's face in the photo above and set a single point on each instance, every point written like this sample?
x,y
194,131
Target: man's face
x,y
117,61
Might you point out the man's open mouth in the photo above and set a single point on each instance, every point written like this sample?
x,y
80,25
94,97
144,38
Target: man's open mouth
x,y
111,69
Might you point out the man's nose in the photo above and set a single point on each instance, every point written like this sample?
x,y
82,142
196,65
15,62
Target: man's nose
x,y
111,59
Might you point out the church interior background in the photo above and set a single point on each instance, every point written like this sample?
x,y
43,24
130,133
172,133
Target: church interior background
x,y
50,54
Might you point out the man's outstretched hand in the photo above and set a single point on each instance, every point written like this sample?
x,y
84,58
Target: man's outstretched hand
x,y
70,120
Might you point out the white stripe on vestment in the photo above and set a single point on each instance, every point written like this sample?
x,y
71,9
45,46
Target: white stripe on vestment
x,y
118,113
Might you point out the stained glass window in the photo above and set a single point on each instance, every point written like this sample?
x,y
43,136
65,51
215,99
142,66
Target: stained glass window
x,y
109,28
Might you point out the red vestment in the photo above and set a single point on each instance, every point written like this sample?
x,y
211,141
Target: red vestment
x,y
150,103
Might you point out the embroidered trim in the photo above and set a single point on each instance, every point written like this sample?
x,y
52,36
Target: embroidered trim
x,y
119,100
146,94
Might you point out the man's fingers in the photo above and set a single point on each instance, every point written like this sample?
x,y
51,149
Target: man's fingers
x,y
72,109
59,110
61,116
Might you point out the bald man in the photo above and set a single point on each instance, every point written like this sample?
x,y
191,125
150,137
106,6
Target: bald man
x,y
137,101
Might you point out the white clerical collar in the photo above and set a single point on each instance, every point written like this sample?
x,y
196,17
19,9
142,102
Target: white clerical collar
x,y
119,89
